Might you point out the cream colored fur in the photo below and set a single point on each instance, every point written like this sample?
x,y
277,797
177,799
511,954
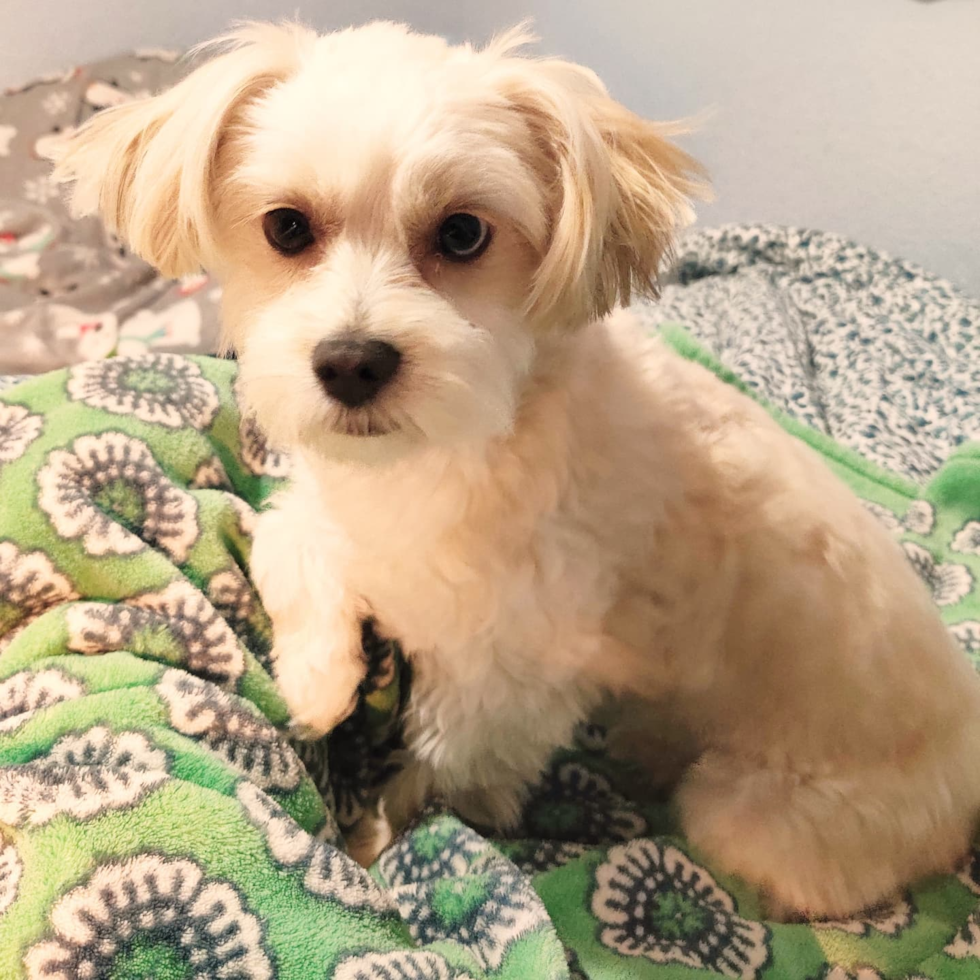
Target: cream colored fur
x,y
557,509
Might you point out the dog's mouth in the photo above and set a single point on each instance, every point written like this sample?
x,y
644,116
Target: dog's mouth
x,y
364,425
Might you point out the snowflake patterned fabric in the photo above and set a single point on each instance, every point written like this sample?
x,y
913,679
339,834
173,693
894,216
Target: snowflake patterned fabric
x,y
156,820
870,350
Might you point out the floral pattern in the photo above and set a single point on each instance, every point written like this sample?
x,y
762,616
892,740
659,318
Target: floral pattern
x,y
887,517
967,539
29,585
18,429
920,517
56,103
439,849
82,776
536,857
362,752
256,453
485,911
969,874
39,190
949,582
78,263
967,634
889,921
28,691
110,492
966,943
245,514
579,805
178,622
328,873
152,909
211,475
351,779
175,326
398,966
231,594
450,885
162,389
232,729
652,900
11,870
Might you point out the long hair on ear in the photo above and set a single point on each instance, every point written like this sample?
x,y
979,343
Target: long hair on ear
x,y
146,166
619,189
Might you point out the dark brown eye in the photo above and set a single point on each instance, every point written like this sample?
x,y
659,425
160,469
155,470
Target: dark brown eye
x,y
287,231
463,237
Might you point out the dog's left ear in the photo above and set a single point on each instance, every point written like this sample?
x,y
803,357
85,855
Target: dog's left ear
x,y
148,166
619,191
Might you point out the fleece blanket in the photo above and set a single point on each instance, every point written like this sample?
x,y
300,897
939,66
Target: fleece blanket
x,y
155,822
871,350
70,291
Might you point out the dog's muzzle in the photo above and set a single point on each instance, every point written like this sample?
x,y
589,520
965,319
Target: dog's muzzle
x,y
353,372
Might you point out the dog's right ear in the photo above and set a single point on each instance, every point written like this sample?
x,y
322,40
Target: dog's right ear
x,y
618,190
147,167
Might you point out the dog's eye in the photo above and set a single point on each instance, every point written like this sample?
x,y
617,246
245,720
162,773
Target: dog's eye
x,y
463,237
287,231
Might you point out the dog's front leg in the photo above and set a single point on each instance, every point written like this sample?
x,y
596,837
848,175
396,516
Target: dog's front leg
x,y
487,794
478,741
317,652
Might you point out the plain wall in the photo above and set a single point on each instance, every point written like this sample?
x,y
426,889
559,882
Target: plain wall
x,y
856,116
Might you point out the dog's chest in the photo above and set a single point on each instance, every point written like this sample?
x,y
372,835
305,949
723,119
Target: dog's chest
x,y
496,597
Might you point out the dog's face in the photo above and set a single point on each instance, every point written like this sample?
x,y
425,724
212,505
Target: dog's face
x,y
403,228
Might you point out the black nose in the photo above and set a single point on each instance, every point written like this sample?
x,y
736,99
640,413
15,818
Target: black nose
x,y
354,371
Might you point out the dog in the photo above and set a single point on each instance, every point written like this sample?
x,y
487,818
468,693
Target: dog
x,y
426,251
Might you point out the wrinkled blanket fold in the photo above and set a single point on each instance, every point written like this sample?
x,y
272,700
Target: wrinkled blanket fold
x,y
155,822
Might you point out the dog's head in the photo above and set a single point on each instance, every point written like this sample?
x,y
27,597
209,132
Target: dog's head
x,y
401,226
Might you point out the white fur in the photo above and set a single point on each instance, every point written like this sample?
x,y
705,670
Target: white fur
x,y
543,507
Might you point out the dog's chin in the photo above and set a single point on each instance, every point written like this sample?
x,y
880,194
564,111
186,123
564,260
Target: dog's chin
x,y
370,441
368,445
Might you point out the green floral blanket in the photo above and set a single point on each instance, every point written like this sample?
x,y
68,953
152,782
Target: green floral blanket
x,y
156,823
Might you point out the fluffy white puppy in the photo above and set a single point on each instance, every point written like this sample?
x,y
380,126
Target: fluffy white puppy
x,y
420,247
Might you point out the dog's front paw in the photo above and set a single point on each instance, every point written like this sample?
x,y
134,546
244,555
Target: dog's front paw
x,y
320,688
